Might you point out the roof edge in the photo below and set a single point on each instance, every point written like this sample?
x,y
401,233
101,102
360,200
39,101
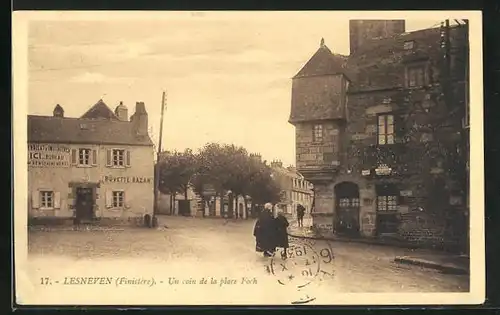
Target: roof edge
x,y
95,143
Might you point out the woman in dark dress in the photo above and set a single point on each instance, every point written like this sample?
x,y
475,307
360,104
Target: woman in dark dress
x,y
281,225
264,232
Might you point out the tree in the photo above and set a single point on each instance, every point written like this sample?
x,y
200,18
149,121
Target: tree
x,y
262,188
228,167
176,171
212,169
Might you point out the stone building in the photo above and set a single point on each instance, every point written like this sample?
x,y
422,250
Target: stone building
x,y
295,189
98,166
379,132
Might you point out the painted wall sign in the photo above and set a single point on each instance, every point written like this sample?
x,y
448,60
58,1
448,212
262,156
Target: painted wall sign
x,y
48,155
127,179
365,172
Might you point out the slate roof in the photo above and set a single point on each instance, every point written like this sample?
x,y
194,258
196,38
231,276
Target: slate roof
x,y
323,62
98,130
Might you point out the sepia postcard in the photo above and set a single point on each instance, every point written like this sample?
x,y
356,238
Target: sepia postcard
x,y
248,158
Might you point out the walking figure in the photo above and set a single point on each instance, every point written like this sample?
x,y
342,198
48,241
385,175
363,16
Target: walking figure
x,y
281,225
300,214
264,232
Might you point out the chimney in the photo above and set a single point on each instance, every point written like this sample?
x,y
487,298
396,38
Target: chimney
x,y
121,112
276,163
58,111
140,119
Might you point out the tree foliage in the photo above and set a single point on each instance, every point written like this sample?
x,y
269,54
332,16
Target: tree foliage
x,y
222,167
176,171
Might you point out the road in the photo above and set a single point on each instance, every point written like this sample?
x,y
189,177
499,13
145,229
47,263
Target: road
x,y
189,249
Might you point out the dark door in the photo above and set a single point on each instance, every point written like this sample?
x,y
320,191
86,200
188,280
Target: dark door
x,y
184,207
387,223
84,203
347,205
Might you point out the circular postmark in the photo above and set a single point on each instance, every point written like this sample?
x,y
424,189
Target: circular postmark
x,y
298,267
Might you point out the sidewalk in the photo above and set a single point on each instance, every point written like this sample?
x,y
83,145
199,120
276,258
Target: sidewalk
x,y
434,259
454,264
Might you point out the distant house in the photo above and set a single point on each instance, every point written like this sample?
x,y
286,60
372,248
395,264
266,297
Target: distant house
x,y
99,165
295,189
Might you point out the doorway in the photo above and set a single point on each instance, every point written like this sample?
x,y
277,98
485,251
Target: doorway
x,y
387,223
84,204
347,208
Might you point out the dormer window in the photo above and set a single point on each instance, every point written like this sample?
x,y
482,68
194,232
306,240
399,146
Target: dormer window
x,y
84,126
408,45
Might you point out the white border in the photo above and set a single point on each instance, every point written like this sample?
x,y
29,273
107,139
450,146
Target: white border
x,y
26,289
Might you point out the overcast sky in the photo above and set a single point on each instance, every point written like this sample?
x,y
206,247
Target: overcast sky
x,y
228,79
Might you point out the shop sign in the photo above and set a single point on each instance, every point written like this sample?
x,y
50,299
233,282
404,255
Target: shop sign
x,y
365,172
127,179
383,170
48,155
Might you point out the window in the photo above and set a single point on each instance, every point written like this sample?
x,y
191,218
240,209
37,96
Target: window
x,y
387,203
118,157
416,76
47,199
409,45
84,156
118,199
344,202
318,133
348,202
385,129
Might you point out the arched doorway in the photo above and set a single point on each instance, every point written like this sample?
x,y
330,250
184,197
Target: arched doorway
x,y
347,208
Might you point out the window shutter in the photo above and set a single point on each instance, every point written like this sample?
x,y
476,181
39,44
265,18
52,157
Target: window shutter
x,y
109,199
127,201
127,158
94,157
108,157
57,200
74,154
35,199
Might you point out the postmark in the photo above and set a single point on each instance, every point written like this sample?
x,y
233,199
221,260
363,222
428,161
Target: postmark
x,y
306,261
299,267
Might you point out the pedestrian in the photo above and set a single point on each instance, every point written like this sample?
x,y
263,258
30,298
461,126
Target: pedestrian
x,y
281,225
300,214
264,232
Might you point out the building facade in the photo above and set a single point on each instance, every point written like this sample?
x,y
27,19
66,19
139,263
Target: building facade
x,y
98,166
295,189
380,132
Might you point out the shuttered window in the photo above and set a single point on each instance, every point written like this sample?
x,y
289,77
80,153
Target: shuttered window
x,y
84,156
46,199
118,158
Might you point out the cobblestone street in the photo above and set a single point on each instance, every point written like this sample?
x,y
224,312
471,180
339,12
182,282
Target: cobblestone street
x,y
195,248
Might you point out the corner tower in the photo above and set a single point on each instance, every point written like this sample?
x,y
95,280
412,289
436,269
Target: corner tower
x,y
318,112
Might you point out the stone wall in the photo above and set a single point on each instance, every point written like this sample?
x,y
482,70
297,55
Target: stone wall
x,y
325,153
